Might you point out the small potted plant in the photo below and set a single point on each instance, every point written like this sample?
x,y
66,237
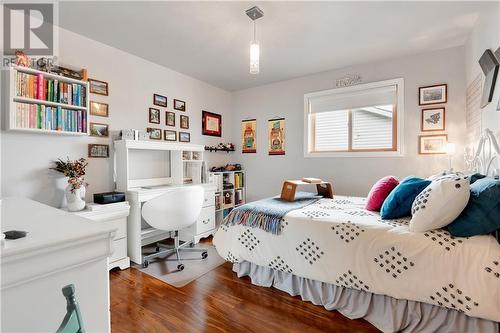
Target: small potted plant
x,y
75,191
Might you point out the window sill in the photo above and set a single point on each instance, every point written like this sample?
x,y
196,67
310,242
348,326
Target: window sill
x,y
344,154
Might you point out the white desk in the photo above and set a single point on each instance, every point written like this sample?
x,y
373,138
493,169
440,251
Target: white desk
x,y
138,236
60,249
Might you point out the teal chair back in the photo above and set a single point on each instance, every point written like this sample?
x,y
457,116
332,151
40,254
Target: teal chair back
x,y
72,322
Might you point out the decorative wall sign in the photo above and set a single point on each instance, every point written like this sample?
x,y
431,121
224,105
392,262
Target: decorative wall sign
x,y
489,64
184,122
433,120
154,116
348,80
179,105
170,118
432,144
211,124
99,109
169,135
436,94
276,136
249,136
98,87
154,133
184,137
159,100
100,130
98,151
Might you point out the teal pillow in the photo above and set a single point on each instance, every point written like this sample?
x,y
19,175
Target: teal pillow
x,y
482,213
398,202
475,177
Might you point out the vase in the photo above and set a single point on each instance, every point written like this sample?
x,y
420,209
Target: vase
x,y
75,198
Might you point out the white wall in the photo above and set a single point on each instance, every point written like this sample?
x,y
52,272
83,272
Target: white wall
x,y
354,176
486,35
132,82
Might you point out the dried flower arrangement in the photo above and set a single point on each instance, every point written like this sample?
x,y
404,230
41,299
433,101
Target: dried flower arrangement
x,y
74,170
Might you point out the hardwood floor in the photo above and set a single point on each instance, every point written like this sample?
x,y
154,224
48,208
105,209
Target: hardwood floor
x,y
216,302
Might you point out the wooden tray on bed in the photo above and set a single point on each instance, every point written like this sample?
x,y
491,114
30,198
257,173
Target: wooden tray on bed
x,y
289,188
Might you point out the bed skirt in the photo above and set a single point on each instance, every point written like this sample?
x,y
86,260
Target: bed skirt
x,y
384,312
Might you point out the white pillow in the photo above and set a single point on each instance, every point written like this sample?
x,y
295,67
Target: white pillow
x,y
440,203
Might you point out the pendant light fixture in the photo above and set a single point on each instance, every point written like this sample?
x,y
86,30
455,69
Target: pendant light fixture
x,y
254,13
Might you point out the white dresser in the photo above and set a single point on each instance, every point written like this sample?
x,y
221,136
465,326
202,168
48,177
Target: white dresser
x,y
113,215
59,249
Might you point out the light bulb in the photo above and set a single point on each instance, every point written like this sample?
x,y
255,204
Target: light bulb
x,y
254,57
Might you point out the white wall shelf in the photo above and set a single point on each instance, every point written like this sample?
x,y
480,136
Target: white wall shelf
x,y
229,177
13,99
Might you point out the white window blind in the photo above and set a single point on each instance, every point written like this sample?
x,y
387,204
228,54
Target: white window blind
x,y
357,120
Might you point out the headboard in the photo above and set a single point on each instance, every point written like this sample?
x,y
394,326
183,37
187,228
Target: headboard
x,y
485,159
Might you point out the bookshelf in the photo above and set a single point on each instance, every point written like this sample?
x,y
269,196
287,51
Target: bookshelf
x,y
66,113
229,196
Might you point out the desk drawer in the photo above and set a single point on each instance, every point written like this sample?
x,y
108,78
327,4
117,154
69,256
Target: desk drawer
x,y
206,221
120,246
209,199
121,225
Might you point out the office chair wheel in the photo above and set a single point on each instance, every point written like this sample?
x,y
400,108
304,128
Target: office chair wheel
x,y
157,249
145,264
180,267
191,244
204,255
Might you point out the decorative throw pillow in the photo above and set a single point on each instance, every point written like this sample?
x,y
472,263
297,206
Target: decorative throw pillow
x,y
379,192
440,203
476,176
438,175
398,202
482,214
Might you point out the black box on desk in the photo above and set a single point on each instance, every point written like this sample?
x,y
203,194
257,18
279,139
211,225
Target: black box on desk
x,y
109,197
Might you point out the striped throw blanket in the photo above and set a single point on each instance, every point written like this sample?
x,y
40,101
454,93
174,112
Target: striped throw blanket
x,y
267,214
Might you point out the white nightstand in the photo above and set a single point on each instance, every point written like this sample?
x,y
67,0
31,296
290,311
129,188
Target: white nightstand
x,y
113,215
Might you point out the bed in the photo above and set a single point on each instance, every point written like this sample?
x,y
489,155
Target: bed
x,y
337,254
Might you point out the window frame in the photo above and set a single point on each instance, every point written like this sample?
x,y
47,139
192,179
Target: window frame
x,y
397,129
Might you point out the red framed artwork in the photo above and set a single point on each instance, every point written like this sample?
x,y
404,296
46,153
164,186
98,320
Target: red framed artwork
x,y
211,124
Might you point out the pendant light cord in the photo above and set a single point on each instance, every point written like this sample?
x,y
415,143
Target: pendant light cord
x,y
254,30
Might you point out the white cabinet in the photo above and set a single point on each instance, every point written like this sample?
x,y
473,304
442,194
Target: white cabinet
x,y
115,216
59,249
205,225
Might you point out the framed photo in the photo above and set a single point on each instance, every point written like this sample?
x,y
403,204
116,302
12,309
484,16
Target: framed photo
x,y
99,130
170,118
154,116
154,133
159,100
99,109
437,94
179,105
249,136
184,122
432,144
169,135
98,87
211,124
276,136
184,137
433,120
98,151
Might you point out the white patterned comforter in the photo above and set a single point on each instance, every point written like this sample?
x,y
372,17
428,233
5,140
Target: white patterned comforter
x,y
339,242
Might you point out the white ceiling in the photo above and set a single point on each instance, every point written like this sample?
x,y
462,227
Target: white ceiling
x,y
210,40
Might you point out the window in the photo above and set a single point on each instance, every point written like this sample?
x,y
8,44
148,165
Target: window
x,y
363,120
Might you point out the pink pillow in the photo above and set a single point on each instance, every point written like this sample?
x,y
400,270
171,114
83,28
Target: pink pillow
x,y
379,192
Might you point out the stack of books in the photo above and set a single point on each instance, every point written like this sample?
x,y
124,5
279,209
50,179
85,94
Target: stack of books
x,y
50,118
238,180
38,87
238,197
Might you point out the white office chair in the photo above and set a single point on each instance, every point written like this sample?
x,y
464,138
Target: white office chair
x,y
173,211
